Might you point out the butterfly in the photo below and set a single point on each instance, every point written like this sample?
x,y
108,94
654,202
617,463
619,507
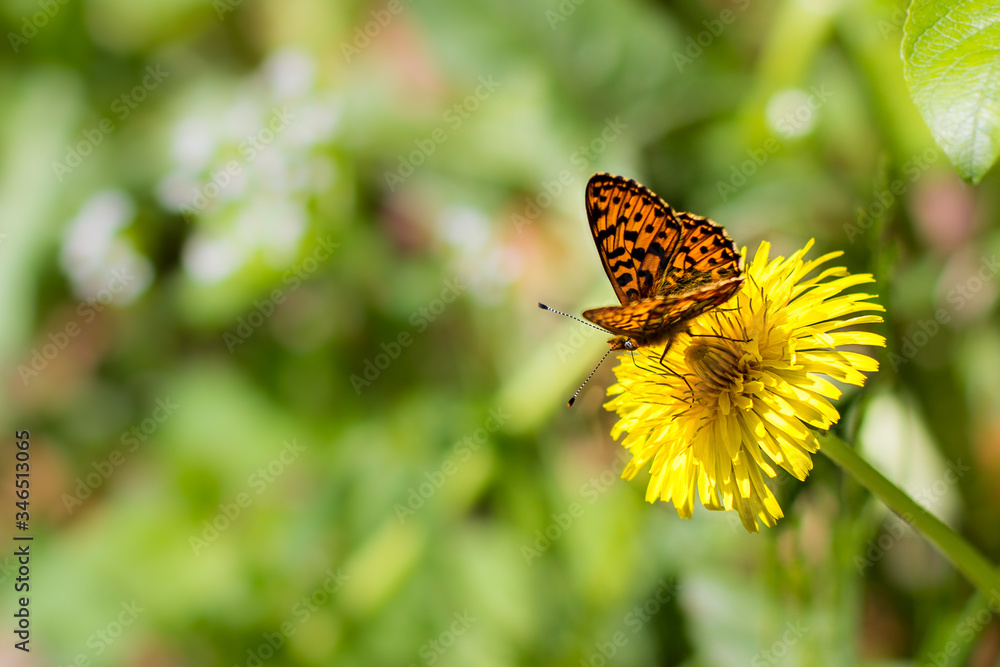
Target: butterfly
x,y
666,266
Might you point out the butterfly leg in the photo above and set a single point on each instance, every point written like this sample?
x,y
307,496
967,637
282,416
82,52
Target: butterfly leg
x,y
638,365
734,340
664,366
666,348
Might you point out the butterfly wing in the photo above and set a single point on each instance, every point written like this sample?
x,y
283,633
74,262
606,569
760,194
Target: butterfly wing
x,y
636,234
705,256
652,320
633,319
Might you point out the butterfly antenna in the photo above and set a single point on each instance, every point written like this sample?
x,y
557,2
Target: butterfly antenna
x,y
559,312
570,402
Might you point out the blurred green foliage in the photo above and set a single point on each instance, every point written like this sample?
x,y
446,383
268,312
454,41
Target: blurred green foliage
x,y
315,417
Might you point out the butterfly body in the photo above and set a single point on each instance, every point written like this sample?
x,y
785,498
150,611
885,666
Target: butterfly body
x,y
665,266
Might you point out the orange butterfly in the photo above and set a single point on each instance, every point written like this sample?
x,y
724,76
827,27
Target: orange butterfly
x,y
666,266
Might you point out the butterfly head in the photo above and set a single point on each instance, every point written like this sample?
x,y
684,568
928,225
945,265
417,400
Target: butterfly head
x,y
623,343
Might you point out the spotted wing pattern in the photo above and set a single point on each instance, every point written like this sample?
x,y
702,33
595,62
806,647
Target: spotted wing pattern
x,y
666,267
649,320
635,232
705,256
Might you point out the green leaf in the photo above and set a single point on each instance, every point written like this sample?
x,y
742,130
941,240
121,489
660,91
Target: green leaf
x,y
951,61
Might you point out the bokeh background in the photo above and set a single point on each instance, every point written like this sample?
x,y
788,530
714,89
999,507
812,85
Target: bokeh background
x,y
268,274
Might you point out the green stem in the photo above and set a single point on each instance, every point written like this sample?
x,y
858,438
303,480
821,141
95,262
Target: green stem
x,y
963,555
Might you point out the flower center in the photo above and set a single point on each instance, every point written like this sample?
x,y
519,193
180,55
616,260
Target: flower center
x,y
716,362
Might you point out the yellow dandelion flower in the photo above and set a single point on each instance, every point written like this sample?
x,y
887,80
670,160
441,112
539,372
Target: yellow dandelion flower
x,y
737,396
